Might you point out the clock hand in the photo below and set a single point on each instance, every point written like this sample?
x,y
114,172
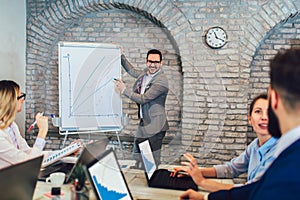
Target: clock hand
x,y
218,37
221,39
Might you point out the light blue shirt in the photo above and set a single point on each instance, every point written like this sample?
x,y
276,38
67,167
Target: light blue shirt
x,y
255,160
287,140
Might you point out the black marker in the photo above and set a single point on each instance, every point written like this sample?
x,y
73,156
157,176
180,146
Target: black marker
x,y
115,79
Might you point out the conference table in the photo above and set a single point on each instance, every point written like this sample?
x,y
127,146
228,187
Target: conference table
x,y
137,184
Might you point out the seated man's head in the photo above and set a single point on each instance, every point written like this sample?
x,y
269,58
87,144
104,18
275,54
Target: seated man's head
x,y
284,91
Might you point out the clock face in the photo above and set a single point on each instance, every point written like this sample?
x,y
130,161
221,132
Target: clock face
x,y
216,37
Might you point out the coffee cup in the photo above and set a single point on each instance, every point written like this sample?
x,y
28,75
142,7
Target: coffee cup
x,y
56,179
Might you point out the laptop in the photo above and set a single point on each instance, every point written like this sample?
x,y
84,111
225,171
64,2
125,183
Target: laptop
x,y
160,178
106,177
89,152
18,181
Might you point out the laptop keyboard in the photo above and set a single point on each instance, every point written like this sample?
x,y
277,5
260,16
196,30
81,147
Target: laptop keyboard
x,y
162,179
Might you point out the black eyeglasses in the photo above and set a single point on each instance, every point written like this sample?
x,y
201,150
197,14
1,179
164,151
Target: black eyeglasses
x,y
153,61
22,96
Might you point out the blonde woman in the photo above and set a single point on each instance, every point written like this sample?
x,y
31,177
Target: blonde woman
x,y
13,147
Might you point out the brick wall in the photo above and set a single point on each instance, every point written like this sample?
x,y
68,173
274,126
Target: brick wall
x,y
283,36
210,89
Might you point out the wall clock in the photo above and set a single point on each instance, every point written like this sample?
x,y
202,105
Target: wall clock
x,y
216,37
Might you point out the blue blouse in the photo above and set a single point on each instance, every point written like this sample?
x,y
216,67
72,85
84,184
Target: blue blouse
x,y
255,160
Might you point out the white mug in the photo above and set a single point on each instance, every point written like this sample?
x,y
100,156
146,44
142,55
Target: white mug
x,y
56,179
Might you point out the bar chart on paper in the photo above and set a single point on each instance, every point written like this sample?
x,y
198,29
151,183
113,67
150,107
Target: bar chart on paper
x,y
107,178
107,193
87,98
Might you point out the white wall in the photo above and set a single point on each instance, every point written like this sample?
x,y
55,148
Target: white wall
x,y
13,45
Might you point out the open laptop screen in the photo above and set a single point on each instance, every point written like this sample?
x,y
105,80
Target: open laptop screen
x,y
89,153
107,179
148,158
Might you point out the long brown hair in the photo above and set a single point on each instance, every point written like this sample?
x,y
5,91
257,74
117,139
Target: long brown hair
x,y
9,91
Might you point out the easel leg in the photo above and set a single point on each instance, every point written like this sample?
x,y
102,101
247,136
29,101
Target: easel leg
x,y
65,139
120,145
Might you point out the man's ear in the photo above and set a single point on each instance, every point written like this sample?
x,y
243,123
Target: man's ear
x,y
274,99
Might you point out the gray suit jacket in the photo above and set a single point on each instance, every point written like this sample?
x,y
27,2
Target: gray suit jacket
x,y
152,101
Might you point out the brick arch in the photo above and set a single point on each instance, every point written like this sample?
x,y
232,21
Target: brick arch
x,y
270,44
259,26
275,40
44,32
51,23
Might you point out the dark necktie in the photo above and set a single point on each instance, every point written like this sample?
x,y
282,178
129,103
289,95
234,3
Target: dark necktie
x,y
139,84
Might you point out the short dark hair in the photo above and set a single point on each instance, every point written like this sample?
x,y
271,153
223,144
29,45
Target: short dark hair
x,y
155,51
285,75
261,96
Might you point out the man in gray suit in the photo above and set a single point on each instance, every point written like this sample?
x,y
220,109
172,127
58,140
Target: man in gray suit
x,y
149,92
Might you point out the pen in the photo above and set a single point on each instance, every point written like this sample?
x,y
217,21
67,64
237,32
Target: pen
x,y
33,124
118,80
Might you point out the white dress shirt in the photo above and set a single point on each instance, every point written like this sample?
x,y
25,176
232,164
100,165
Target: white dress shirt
x,y
14,148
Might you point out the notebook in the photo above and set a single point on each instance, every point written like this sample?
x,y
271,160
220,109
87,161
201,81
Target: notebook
x,y
89,152
18,181
58,155
106,177
160,178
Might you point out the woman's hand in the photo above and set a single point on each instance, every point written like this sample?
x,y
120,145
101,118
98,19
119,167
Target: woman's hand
x,y
179,171
191,168
78,151
42,123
